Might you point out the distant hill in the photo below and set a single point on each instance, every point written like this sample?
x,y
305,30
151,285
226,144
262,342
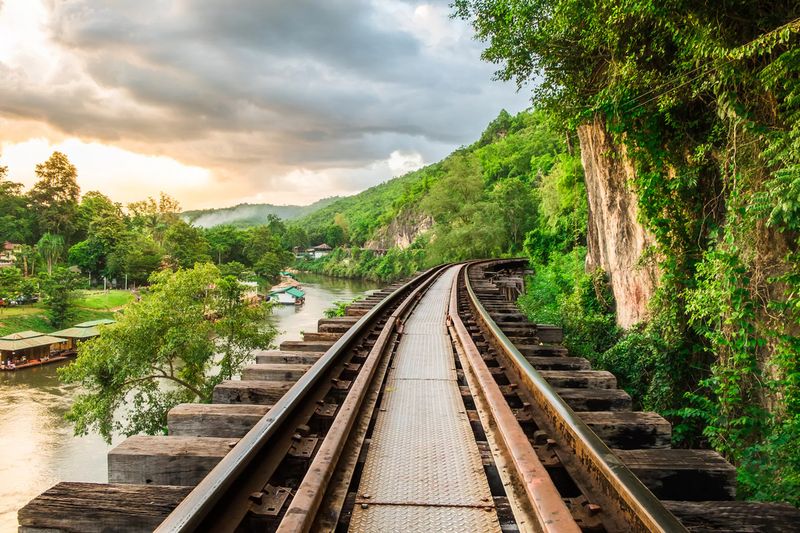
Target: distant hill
x,y
244,215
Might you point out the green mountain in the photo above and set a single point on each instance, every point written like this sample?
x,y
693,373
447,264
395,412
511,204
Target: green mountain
x,y
482,200
245,215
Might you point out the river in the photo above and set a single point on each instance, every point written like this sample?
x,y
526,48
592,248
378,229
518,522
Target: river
x,y
37,447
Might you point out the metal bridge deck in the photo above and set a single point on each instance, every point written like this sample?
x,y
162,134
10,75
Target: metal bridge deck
x,y
423,470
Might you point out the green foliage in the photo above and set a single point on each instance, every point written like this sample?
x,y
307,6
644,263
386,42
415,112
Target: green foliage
x,y
705,100
188,333
58,290
339,308
54,197
366,264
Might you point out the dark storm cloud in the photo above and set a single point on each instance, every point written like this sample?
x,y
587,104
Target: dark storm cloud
x,y
301,82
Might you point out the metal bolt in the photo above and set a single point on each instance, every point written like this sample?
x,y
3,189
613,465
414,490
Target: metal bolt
x,y
365,506
593,508
365,496
257,497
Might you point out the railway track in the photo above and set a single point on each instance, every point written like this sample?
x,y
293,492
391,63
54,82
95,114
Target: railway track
x,y
433,404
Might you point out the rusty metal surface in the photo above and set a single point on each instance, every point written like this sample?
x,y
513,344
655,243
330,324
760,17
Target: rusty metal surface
x,y
548,509
423,470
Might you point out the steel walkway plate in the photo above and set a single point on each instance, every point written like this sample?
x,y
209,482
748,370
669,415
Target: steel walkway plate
x,y
423,470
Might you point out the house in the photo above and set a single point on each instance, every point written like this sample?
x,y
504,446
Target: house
x,y
81,332
320,250
28,348
8,253
288,295
250,291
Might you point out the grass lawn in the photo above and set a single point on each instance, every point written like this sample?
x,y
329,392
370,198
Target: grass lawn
x,y
38,321
103,300
89,305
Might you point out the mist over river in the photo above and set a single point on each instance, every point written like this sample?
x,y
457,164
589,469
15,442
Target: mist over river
x,y
37,446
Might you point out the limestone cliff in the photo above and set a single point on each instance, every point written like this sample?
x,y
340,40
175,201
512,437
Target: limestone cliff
x,y
616,239
401,231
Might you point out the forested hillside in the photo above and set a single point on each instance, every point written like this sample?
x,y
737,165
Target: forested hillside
x,y
518,187
247,215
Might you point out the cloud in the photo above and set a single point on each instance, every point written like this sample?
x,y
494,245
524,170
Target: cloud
x,y
257,92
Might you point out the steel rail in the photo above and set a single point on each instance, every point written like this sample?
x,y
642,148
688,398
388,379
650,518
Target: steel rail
x,y
201,502
301,512
549,510
640,508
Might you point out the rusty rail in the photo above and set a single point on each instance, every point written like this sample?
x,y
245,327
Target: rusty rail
x,y
632,501
220,501
549,510
301,512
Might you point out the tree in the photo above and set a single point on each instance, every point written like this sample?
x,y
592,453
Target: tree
x,y
10,283
155,217
50,247
517,206
227,243
165,350
186,245
54,197
58,289
137,256
15,217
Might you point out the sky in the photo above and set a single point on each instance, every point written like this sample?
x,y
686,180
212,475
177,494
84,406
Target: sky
x,y
219,103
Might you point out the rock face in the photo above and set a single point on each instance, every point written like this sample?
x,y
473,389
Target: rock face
x,y
401,231
616,240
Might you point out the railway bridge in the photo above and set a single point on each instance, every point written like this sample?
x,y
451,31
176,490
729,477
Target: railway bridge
x,y
433,405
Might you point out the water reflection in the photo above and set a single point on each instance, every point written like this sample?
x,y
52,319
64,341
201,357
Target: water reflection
x,y
37,447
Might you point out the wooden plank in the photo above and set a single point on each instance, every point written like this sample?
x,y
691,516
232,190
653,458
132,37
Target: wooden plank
x,y
735,517
99,507
277,356
274,372
303,346
337,320
559,363
160,460
541,350
214,420
630,429
596,399
334,328
251,391
689,475
548,333
321,336
581,379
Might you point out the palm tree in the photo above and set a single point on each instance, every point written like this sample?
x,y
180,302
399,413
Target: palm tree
x,y
50,247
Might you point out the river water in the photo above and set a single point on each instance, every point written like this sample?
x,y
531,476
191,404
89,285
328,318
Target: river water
x,y
37,447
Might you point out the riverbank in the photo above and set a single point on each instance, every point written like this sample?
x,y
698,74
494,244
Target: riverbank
x,y
40,447
383,266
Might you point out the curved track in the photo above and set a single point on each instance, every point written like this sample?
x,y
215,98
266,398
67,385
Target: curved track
x,y
434,405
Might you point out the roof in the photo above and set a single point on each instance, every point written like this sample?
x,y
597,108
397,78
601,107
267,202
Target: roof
x,y
93,323
294,291
322,246
29,334
7,345
78,333
10,245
